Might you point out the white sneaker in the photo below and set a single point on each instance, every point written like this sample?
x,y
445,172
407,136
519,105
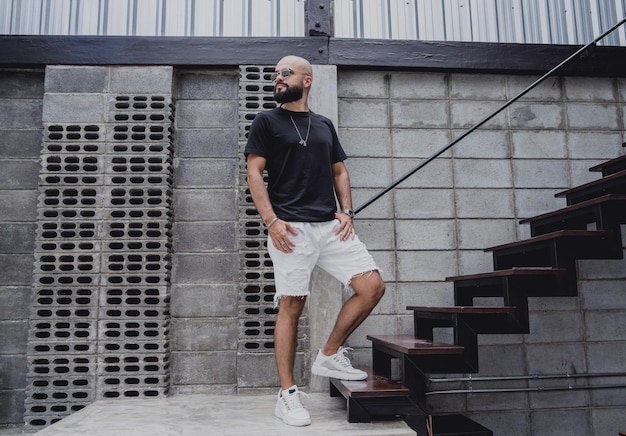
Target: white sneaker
x,y
289,408
337,366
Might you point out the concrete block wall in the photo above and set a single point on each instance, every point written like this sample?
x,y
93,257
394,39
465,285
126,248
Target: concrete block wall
x,y
437,223
21,94
205,285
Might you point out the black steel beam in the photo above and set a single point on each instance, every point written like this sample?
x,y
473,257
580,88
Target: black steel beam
x,y
207,52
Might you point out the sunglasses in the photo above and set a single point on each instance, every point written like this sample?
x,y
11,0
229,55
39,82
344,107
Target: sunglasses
x,y
284,73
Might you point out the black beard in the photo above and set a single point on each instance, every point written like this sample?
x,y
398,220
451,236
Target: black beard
x,y
291,93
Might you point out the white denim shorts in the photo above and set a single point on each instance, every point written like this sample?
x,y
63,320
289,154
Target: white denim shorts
x,y
317,244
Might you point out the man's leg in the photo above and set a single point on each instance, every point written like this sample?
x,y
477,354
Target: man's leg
x,y
285,334
369,288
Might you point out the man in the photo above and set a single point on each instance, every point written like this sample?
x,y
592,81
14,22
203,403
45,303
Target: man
x,y
307,177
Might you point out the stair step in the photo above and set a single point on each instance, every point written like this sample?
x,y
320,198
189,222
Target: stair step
x,y
412,346
479,319
611,184
558,249
606,212
375,386
514,285
610,167
378,397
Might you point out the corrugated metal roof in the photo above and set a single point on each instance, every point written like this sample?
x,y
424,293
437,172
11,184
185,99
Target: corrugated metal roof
x,y
511,21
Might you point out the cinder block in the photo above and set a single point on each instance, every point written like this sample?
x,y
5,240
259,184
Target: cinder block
x,y
376,234
419,114
206,143
424,203
602,294
482,173
483,233
363,113
464,114
426,266
425,234
606,357
548,90
556,358
219,300
12,406
205,268
539,144
532,202
424,86
362,84
193,114
437,174
197,368
561,422
17,237
605,325
14,336
373,324
206,173
475,261
13,370
207,85
381,209
532,173
204,334
419,143
259,370
424,294
594,145
20,114
477,86
555,326
484,203
495,401
365,142
136,80
537,116
593,116
19,173
15,302
205,204
18,205
554,399
74,108
601,269
205,236
17,269
21,84
606,420
596,89
488,144
20,143
369,173
76,79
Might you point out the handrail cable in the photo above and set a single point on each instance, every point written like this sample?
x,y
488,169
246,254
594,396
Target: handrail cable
x,y
485,119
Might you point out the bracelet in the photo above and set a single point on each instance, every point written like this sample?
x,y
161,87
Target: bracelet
x,y
271,222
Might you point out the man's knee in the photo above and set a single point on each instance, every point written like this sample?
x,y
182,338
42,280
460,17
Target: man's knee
x,y
291,306
369,285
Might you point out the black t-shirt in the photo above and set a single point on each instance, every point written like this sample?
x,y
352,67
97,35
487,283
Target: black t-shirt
x,y
300,181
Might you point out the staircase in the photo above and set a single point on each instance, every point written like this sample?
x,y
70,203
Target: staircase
x,y
542,266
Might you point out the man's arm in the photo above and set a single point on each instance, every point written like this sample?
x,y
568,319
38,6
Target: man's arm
x,y
278,229
341,181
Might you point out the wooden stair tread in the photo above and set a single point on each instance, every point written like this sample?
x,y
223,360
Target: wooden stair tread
x,y
375,386
511,272
561,234
611,166
577,207
410,345
615,179
464,309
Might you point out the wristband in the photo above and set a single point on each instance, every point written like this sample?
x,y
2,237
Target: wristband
x,y
271,222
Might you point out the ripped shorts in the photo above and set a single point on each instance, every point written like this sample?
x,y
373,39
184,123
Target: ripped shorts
x,y
317,244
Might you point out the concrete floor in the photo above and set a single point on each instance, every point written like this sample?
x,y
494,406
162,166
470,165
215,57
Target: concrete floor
x,y
214,415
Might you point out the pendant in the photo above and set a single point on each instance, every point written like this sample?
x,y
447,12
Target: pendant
x,y
302,143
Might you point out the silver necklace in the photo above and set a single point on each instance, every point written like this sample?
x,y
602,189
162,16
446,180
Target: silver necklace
x,y
303,141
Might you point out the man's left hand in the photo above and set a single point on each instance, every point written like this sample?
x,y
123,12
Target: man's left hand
x,y
346,227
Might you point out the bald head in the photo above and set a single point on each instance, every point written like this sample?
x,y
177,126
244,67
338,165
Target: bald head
x,y
296,63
